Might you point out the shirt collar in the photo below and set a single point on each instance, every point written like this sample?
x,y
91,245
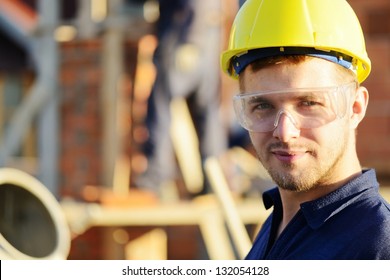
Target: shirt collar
x,y
318,211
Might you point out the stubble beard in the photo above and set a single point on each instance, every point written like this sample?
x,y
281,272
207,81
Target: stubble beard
x,y
301,178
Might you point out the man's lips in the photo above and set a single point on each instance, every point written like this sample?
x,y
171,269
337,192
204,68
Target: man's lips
x,y
288,155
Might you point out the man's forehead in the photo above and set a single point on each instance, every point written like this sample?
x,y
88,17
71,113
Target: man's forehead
x,y
289,94
283,73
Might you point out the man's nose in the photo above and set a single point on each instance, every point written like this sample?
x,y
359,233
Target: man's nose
x,y
285,127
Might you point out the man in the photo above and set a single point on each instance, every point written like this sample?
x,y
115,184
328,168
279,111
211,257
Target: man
x,y
187,30
300,64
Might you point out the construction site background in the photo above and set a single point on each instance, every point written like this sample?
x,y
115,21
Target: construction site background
x,y
83,136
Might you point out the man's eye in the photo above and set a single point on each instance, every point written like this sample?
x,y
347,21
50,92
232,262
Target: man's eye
x,y
262,106
309,103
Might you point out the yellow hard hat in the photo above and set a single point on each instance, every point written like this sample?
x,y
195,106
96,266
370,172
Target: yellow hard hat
x,y
325,28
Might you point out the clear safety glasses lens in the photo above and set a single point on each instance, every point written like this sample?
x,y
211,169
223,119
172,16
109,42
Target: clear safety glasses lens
x,y
306,107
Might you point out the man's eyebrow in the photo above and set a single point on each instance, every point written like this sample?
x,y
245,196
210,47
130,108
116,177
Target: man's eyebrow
x,y
254,99
257,99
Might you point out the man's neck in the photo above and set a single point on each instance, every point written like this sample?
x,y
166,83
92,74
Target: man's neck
x,y
291,201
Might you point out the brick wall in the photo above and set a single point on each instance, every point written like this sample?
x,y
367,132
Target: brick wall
x,y
81,128
81,120
374,131
81,114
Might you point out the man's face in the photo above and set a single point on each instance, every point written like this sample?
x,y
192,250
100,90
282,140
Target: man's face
x,y
300,159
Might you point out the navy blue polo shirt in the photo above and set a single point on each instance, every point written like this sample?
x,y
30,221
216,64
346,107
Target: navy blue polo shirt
x,y
350,223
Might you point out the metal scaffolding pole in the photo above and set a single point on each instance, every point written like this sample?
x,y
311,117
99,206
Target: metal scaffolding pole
x,y
112,68
48,119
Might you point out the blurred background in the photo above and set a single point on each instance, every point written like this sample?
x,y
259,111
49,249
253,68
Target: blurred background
x,y
118,108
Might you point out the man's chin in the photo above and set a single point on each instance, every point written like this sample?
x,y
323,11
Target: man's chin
x,y
293,179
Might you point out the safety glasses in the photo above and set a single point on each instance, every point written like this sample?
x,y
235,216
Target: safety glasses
x,y
305,107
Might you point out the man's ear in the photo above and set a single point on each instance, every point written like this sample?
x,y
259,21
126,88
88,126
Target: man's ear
x,y
359,106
